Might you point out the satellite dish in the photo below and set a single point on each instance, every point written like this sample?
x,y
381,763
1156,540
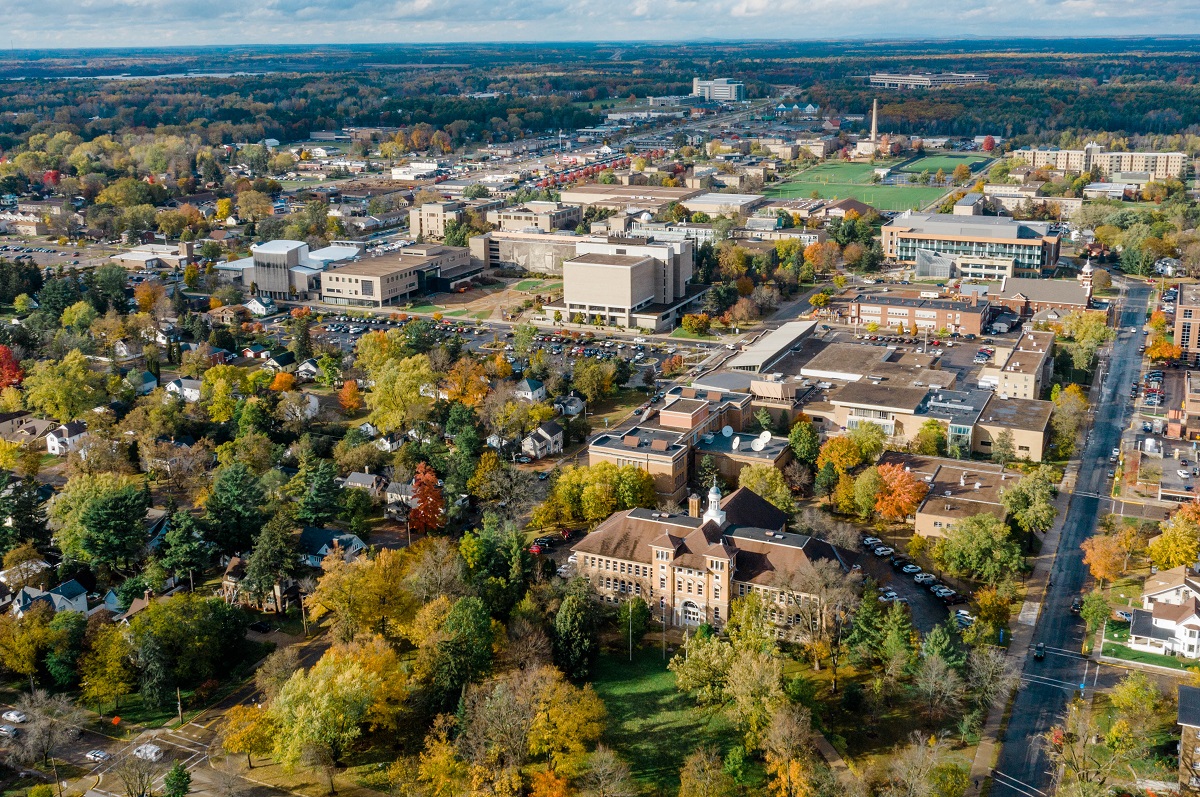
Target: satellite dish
x,y
758,445
764,437
736,442
727,431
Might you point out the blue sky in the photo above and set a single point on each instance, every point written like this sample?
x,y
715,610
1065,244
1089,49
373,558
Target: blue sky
x,y
116,23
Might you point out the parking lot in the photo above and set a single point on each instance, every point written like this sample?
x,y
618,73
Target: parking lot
x,y
888,571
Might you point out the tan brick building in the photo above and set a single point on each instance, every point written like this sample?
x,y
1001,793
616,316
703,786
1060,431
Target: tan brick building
x,y
689,568
957,489
1023,370
392,278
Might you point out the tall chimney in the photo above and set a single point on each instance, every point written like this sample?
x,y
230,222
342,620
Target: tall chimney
x,y
694,505
875,119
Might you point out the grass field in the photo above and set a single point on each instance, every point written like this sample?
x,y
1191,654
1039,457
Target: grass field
x,y
946,163
882,197
651,724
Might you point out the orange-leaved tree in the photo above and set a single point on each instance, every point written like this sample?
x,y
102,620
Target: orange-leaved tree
x,y
901,494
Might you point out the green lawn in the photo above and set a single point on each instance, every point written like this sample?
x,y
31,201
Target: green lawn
x,y
685,335
457,313
1129,654
651,724
527,285
946,163
882,197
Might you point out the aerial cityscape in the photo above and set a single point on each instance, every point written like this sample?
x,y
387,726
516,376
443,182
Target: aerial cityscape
x,y
452,409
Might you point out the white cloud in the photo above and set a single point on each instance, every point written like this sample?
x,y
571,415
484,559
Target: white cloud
x,y
101,23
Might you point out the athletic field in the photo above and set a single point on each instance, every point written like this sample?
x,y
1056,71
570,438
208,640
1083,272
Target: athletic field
x,y
946,163
838,180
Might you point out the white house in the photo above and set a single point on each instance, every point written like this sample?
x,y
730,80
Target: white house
x,y
62,440
308,369
530,390
260,306
1167,628
186,389
142,382
399,493
316,544
389,443
543,441
70,596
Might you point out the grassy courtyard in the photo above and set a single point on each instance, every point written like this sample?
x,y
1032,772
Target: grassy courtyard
x,y
653,725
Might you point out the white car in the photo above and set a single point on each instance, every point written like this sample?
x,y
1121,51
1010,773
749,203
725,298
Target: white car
x,y
869,541
911,569
924,578
889,596
883,551
97,756
1181,473
14,716
148,752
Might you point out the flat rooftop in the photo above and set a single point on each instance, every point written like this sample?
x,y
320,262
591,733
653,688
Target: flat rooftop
x,y
952,305
1017,413
869,394
1189,296
770,347
642,439
720,444
599,259
951,226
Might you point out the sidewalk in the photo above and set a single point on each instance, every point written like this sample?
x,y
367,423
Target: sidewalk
x,y
1022,636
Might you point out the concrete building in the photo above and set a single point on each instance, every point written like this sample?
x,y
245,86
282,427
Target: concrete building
x,y
1027,419
1097,157
891,312
762,354
430,220
648,198
544,216
926,80
723,204
721,89
1022,370
1187,322
930,264
693,566
155,256
1024,197
540,252
283,269
393,278
1035,250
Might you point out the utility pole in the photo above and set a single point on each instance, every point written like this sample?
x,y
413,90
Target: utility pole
x,y
179,705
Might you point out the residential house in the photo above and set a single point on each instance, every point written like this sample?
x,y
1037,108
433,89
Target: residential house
x,y
256,351
308,370
389,443
530,390
284,362
227,314
1167,628
317,544
543,441
70,596
369,429
1189,739
373,483
283,595
142,382
64,438
399,493
693,566
25,430
186,389
260,306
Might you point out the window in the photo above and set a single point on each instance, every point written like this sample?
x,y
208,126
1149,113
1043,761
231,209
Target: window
x,y
716,593
637,589
689,588
716,612
662,583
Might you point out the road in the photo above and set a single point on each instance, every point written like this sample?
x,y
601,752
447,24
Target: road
x,y
1048,685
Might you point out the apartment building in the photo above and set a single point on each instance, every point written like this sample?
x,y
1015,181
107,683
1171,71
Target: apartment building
x,y
430,219
1097,157
689,568
720,89
544,216
1029,243
926,80
1022,370
1019,198
394,277
1187,322
891,312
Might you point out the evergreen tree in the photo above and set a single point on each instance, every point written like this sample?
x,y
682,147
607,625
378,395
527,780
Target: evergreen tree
x,y
575,642
178,781
940,642
184,549
114,527
274,557
318,504
232,515
827,480
155,680
897,642
866,635
26,512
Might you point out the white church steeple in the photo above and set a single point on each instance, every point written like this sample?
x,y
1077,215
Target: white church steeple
x,y
714,511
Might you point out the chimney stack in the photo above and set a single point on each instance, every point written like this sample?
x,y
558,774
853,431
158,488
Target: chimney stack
x,y
694,505
875,119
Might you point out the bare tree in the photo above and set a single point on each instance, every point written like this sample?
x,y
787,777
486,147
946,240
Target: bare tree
x,y
607,776
912,768
226,780
137,775
274,672
939,686
990,676
436,569
53,722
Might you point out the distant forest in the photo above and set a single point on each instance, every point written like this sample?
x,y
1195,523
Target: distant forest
x,y
1042,91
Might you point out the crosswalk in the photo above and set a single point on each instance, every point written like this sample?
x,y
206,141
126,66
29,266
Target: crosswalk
x,y
184,746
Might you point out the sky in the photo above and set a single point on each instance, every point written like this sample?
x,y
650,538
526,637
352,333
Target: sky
x,y
143,23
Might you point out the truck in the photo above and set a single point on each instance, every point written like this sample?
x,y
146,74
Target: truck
x,y
1158,426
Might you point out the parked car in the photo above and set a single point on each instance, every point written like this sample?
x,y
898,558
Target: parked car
x,y
872,541
924,578
97,756
910,569
883,551
1076,606
148,752
14,716
1039,652
8,732
1125,616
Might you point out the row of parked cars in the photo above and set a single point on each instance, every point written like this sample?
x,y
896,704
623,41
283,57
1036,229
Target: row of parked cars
x,y
906,566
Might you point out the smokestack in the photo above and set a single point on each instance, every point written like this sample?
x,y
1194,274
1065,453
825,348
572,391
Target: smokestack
x,y
875,119
694,505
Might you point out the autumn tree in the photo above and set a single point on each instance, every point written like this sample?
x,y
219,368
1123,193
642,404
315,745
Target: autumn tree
x,y
901,492
1178,544
1103,555
840,452
248,730
428,511
767,482
350,398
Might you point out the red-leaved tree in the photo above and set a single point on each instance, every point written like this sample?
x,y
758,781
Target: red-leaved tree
x,y
429,509
10,369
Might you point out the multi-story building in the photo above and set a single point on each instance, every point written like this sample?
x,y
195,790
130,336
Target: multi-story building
x,y
956,489
544,216
689,568
891,312
1026,297
1022,370
1187,322
651,198
1097,157
430,220
1026,196
1029,243
720,89
926,80
392,278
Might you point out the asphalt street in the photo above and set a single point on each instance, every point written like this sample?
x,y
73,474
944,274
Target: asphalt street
x,y
1048,685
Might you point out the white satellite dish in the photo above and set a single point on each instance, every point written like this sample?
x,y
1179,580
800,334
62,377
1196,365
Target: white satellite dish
x,y
758,445
727,431
736,442
764,437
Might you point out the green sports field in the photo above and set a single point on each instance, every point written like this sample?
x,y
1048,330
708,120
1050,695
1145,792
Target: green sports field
x,y
946,163
881,197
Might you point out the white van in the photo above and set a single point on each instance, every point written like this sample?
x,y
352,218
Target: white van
x,y
148,752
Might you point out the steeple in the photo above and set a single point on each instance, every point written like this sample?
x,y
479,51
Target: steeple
x,y
714,511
